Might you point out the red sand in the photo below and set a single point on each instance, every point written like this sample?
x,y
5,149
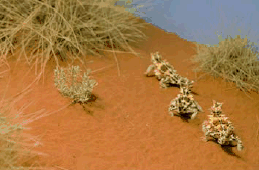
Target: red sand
x,y
128,126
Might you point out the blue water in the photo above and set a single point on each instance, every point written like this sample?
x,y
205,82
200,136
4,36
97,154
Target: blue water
x,y
202,21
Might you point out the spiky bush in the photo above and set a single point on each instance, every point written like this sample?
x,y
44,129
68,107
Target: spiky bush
x,y
71,84
232,60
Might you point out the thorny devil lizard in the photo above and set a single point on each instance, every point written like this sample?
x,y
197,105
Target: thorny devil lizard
x,y
166,73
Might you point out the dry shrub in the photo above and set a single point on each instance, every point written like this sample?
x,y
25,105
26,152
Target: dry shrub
x,y
41,29
231,60
16,145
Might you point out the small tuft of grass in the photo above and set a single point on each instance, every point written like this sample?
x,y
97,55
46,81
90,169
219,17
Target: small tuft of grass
x,y
231,60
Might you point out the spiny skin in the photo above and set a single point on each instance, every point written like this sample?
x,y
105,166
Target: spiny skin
x,y
184,104
165,72
220,128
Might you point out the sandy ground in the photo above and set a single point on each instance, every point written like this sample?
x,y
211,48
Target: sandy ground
x,y
128,126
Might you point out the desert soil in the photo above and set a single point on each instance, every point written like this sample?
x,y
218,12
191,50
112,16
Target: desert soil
x,y
128,127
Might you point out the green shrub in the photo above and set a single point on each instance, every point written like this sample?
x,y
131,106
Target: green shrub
x,y
71,84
